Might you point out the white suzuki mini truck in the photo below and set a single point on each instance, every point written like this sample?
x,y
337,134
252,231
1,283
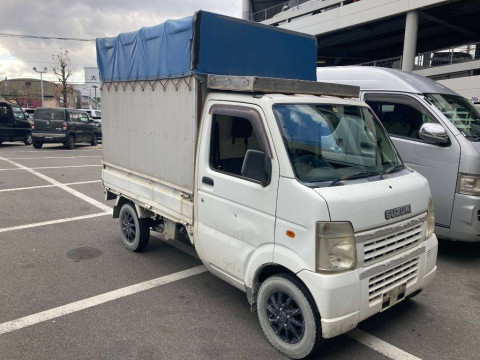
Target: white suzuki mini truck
x,y
299,200
288,189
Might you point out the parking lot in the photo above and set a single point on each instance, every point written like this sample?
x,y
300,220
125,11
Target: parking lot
x,y
69,288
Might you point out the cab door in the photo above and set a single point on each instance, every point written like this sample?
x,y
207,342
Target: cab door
x,y
6,122
235,213
402,116
21,126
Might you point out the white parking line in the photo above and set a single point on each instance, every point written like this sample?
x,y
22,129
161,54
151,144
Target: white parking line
x,y
76,193
380,346
57,157
52,222
48,151
49,186
47,167
23,322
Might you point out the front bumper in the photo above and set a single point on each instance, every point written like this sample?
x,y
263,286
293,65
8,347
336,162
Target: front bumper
x,y
49,137
344,299
465,224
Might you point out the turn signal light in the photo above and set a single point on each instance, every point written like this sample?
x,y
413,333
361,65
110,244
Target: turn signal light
x,y
290,234
64,126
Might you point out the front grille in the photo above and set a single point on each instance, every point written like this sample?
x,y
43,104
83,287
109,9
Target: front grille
x,y
392,243
386,281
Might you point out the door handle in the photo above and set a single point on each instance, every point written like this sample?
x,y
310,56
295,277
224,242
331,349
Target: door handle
x,y
207,180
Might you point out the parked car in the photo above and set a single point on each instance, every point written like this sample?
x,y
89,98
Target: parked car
x,y
96,116
437,133
29,112
59,125
14,125
447,58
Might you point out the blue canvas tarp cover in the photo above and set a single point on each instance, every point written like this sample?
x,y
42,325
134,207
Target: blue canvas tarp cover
x,y
207,43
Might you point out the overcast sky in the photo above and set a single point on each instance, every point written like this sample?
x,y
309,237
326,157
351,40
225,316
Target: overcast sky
x,y
82,19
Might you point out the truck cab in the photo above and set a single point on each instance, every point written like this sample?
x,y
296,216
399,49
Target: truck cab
x,y
289,189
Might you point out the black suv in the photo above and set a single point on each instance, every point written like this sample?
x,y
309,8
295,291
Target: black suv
x,y
14,126
59,125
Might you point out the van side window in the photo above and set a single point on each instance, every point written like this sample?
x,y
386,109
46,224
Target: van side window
x,y
4,119
399,118
18,113
83,117
231,137
74,117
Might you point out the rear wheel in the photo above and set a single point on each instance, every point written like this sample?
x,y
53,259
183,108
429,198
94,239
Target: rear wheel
x,y
94,141
288,316
135,231
70,142
37,144
27,140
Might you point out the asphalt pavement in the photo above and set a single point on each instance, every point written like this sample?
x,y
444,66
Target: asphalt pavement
x,y
70,290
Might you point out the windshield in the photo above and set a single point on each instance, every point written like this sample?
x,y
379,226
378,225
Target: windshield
x,y
460,112
326,142
18,113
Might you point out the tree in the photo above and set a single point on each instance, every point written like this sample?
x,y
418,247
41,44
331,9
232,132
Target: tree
x,y
63,70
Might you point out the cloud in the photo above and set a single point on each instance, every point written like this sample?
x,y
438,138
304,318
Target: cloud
x,y
83,19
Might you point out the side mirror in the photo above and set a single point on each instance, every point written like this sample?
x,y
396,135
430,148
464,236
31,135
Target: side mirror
x,y
434,134
257,166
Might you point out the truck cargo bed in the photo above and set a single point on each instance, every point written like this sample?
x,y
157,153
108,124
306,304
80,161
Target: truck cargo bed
x,y
150,128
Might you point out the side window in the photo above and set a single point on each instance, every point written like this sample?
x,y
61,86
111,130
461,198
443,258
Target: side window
x,y
83,117
74,116
400,118
4,118
18,113
231,138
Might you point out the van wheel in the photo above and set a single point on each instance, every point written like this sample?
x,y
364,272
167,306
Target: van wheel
x,y
27,140
37,144
94,141
70,142
288,316
135,231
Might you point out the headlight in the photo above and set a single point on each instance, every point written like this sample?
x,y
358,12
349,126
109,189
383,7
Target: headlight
x,y
430,219
468,184
335,250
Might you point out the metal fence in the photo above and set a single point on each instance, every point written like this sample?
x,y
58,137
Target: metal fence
x,y
454,55
292,5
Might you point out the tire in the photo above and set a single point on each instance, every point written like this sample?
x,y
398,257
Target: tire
x,y
70,142
301,333
27,140
94,141
135,232
37,144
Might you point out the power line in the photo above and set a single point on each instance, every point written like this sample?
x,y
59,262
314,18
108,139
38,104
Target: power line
x,y
39,37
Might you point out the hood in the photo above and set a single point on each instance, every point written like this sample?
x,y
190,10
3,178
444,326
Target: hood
x,y
364,204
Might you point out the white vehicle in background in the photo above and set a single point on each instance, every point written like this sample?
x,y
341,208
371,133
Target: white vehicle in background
x,y
289,190
437,133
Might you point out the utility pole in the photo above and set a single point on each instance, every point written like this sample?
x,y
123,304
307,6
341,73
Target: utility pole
x,y
96,101
41,72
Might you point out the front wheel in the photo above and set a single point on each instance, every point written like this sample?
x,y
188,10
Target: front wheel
x,y
288,316
70,142
27,140
135,231
37,144
94,140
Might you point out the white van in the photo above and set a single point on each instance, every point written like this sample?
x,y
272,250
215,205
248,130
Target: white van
x,y
437,133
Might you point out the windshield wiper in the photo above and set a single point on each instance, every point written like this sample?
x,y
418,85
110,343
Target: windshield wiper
x,y
358,175
394,168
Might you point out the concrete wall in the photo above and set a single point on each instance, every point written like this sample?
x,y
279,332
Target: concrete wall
x,y
468,87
